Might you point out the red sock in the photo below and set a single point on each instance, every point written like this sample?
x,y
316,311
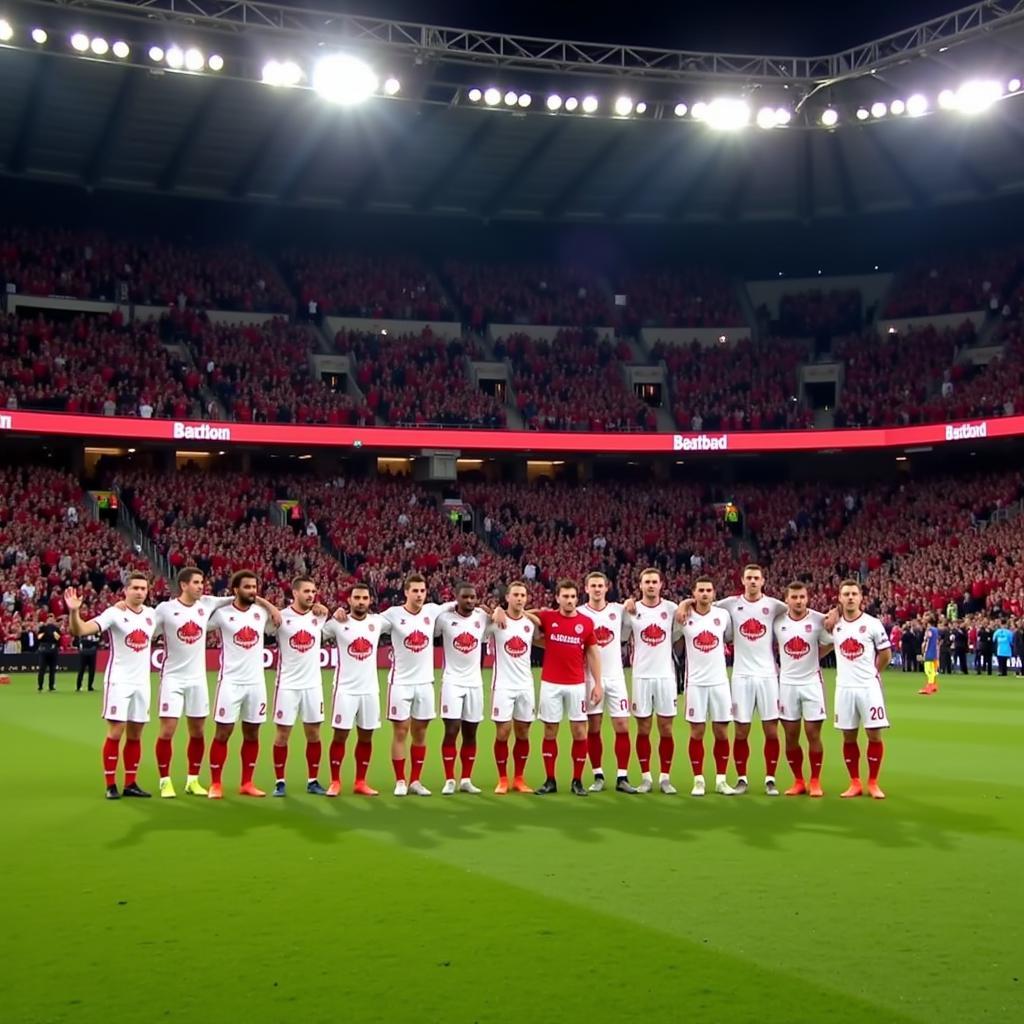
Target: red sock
x,y
314,751
336,753
398,764
418,755
250,755
448,757
623,749
520,755
501,757
643,753
468,760
876,748
132,753
595,750
851,755
549,750
815,757
771,756
579,758
163,758
740,754
721,755
280,760
196,753
696,752
666,751
218,755
110,752
795,757
364,749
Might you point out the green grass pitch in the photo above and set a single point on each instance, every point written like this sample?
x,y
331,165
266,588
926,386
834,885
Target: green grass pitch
x,y
515,908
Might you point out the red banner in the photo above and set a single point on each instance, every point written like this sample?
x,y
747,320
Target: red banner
x,y
539,442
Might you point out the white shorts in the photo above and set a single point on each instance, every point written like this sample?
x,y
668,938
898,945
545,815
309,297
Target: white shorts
x,y
615,700
802,701
858,706
704,701
563,699
355,709
307,705
175,699
507,705
233,701
654,695
125,703
750,692
406,702
462,703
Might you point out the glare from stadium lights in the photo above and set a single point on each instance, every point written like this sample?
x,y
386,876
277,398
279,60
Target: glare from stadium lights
x,y
681,109
7,31
175,58
727,115
699,110
99,46
766,118
492,97
623,106
525,99
216,62
641,107
862,114
977,97
392,87
156,54
344,80
475,95
1013,85
511,98
120,49
554,102
80,42
194,59
571,104
879,109
917,105
589,104
897,107
830,117
783,116
947,99
38,35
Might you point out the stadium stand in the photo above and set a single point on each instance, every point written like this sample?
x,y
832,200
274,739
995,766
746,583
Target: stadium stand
x,y
678,298
810,313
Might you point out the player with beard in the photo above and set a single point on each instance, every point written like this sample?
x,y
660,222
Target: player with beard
x,y
356,697
862,654
126,680
802,641
610,629
241,683
462,631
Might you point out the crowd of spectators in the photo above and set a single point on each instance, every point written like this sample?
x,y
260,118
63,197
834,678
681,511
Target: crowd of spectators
x,y
815,312
677,298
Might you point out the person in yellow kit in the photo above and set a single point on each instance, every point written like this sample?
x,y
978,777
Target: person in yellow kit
x,y
930,648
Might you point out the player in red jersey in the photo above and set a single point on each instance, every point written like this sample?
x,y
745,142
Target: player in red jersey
x,y
126,683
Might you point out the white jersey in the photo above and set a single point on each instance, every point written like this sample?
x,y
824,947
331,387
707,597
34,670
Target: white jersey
x,y
608,631
298,651
653,628
706,636
130,635
357,641
462,638
799,640
511,647
752,623
184,630
856,643
241,643
412,644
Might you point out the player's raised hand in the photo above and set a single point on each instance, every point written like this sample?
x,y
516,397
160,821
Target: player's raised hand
x,y
629,606
72,600
341,615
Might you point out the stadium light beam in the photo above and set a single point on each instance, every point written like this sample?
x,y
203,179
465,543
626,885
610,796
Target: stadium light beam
x,y
39,35
216,62
474,95
862,114
783,115
572,104
156,54
194,59
525,99
766,118
977,96
1013,85
830,117
727,115
80,42
492,97
897,107
99,46
175,58
590,104
947,99
917,105
120,49
511,98
392,87
623,106
554,102
879,109
681,109
7,32
344,80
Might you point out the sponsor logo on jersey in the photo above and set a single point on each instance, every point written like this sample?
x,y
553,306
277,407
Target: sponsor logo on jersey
x,y
516,646
360,648
416,641
603,635
200,432
753,629
652,635
578,629
302,641
705,641
797,647
465,643
189,632
137,640
246,637
851,649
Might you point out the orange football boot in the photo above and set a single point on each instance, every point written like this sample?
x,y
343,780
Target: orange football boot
x,y
797,789
363,789
334,788
875,791
502,787
520,786
856,789
248,789
216,791
815,788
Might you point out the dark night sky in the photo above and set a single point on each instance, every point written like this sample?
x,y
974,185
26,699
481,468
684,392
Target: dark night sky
x,y
799,28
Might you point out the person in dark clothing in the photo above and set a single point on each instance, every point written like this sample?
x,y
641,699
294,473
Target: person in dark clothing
x,y
945,649
48,637
87,648
985,648
960,645
1018,647
907,648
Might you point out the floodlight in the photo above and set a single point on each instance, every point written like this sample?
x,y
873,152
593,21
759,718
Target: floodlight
x,y
783,115
727,115
1013,85
99,46
194,59
917,105
38,34
641,107
897,107
525,99
862,114
571,104
590,104
830,117
156,54
699,110
511,98
947,99
766,118
554,102
216,62
121,49
879,109
976,97
345,80
623,106
175,57
80,42
681,109
492,97
392,87
475,95
7,32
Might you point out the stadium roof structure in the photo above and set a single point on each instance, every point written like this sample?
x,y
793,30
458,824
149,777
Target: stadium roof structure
x,y
438,147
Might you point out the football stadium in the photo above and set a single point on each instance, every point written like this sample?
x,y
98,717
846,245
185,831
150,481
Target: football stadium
x,y
520,521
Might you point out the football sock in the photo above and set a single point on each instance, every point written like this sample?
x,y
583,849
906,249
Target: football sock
x,y
448,757
549,750
721,754
314,750
196,753
280,760
696,752
741,755
468,760
218,755
851,755
418,755
795,757
132,754
520,755
336,753
579,758
771,756
623,749
110,752
398,764
163,758
876,748
501,757
250,755
363,752
595,750
815,757
643,753
666,751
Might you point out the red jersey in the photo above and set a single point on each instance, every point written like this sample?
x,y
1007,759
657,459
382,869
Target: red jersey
x,y
566,637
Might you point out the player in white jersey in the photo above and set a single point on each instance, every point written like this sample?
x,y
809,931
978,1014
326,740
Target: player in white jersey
x,y
299,693
652,621
755,681
707,630
126,682
355,701
611,629
802,641
463,630
513,706
863,652
241,682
